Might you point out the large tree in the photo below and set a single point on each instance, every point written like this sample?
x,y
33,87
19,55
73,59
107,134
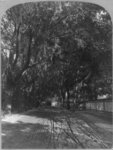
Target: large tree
x,y
53,47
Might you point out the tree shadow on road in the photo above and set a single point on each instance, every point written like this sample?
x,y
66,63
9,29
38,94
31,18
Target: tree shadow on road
x,y
52,128
24,135
23,131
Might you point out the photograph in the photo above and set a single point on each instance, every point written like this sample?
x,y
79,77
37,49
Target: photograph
x,y
56,75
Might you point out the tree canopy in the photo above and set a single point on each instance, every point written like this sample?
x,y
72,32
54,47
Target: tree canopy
x,y
55,47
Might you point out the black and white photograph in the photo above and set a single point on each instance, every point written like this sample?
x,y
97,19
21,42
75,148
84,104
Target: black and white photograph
x,y
56,75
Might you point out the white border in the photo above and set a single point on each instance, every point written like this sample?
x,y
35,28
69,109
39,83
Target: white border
x,y
6,4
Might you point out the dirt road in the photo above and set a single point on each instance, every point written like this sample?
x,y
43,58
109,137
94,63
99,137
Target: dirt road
x,y
57,128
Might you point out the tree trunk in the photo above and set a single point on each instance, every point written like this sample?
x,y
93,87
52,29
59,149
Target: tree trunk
x,y
67,96
63,97
7,104
17,100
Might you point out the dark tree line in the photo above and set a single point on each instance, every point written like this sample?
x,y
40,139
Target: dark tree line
x,y
49,48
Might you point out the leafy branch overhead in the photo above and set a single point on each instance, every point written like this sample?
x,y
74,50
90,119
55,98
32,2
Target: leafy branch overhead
x,y
55,46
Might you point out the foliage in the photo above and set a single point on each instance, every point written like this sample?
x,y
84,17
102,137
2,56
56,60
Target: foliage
x,y
54,47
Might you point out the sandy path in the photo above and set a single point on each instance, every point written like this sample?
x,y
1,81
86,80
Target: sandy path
x,y
56,128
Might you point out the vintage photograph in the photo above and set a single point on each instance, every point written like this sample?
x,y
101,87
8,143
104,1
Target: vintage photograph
x,y
56,76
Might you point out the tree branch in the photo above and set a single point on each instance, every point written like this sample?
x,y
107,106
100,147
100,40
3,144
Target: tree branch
x,y
32,81
28,57
33,65
17,45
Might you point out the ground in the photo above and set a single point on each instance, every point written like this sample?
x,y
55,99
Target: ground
x,y
57,128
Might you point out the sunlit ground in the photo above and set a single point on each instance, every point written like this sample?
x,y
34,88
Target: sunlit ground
x,y
55,128
16,118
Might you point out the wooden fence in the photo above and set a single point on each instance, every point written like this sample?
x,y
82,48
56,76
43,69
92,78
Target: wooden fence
x,y
102,105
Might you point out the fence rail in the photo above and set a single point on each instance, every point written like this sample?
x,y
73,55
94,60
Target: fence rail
x,y
102,105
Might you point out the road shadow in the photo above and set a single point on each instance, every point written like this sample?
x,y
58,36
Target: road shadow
x,y
54,128
24,135
24,131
